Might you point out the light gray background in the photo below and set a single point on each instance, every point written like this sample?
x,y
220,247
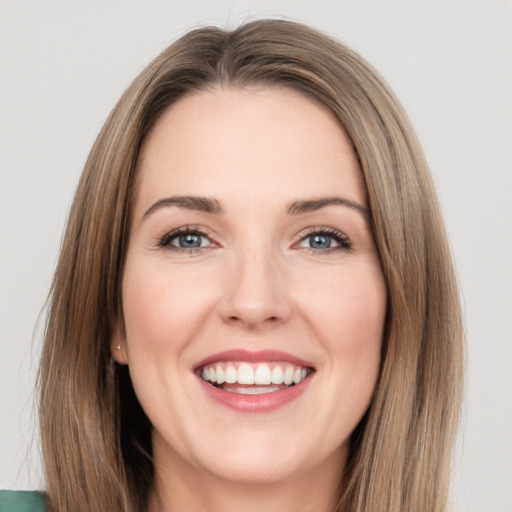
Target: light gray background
x,y
63,66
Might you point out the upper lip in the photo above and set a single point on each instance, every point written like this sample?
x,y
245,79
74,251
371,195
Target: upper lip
x,y
253,356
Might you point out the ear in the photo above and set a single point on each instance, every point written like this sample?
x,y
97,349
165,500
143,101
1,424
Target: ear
x,y
118,345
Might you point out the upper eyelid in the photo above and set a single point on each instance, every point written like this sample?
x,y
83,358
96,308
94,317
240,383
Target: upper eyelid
x,y
323,230
193,228
343,239
206,232
190,229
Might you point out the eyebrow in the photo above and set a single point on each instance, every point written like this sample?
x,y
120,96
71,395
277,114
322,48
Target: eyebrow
x,y
310,205
208,205
202,204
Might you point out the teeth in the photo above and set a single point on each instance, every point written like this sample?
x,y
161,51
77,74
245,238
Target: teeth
x,y
220,374
245,374
278,375
231,375
288,375
252,391
262,374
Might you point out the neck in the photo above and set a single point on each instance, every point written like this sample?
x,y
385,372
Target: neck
x,y
194,490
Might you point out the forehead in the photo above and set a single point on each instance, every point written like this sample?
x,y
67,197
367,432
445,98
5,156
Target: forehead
x,y
257,144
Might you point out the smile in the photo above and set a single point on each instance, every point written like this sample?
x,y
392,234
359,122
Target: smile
x,y
256,378
254,381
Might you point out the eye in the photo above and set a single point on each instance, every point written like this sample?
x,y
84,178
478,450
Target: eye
x,y
325,240
186,238
319,241
189,241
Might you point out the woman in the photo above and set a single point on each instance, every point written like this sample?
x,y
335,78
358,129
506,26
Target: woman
x,y
254,303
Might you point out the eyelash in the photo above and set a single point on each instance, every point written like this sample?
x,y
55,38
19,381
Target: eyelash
x,y
345,244
165,241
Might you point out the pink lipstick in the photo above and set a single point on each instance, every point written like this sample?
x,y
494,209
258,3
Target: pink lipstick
x,y
254,381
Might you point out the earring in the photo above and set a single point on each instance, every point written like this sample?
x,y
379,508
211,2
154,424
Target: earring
x,y
118,347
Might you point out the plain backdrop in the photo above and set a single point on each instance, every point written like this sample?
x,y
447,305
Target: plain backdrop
x,y
63,64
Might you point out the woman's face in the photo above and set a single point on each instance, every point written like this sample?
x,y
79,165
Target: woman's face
x,y
253,297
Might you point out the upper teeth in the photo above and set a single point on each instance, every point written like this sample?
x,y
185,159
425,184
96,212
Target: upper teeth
x,y
261,373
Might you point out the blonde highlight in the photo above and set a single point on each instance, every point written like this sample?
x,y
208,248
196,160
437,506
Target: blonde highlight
x,y
95,436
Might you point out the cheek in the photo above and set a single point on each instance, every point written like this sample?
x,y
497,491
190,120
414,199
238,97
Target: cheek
x,y
348,320
350,309
162,309
345,314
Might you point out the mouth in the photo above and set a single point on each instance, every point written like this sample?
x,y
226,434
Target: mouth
x,y
254,381
253,378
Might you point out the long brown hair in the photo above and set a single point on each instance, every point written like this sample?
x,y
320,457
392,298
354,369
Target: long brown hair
x,y
95,436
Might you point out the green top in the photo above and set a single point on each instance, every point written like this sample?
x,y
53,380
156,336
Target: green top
x,y
22,501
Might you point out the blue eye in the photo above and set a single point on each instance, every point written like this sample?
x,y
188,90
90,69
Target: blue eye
x,y
186,238
325,240
189,241
320,241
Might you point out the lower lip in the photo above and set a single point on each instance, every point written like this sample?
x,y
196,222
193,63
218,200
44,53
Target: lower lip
x,y
264,402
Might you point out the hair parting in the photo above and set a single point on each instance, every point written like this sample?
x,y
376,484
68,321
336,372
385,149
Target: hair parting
x,y
96,439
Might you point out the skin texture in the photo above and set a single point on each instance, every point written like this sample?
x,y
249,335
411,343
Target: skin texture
x,y
255,284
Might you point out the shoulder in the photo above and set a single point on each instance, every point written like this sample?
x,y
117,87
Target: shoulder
x,y
22,501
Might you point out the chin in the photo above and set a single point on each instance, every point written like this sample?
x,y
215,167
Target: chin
x,y
255,469
266,458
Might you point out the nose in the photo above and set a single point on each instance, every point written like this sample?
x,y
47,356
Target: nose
x,y
255,292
